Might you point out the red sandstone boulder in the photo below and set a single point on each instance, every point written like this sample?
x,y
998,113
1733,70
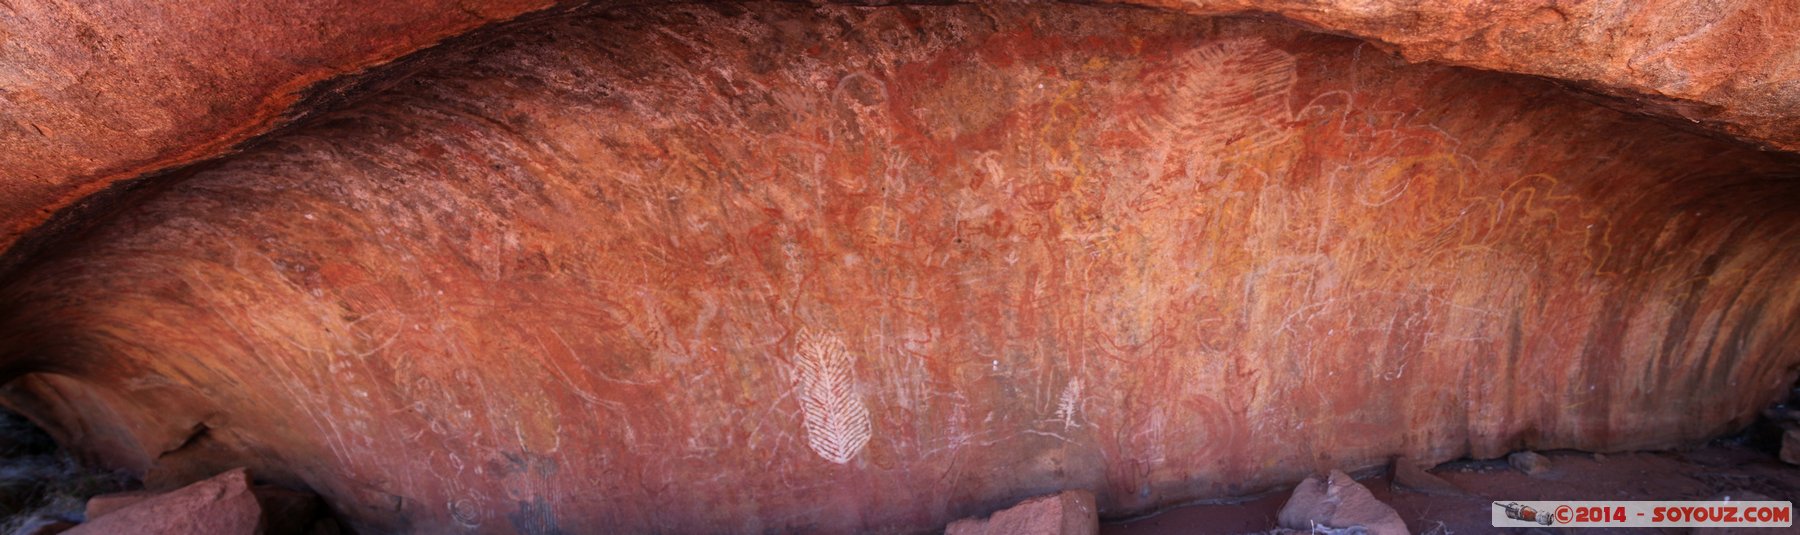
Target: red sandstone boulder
x,y
1069,512
1339,502
222,505
1530,463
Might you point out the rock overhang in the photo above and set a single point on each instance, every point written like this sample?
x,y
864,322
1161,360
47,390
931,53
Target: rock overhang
x,y
580,271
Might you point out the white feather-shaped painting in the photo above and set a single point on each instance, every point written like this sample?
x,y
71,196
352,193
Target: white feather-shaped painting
x,y
837,422
1069,402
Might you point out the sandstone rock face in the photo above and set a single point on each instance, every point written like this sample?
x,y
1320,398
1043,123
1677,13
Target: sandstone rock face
x,y
100,93
92,93
1730,65
777,267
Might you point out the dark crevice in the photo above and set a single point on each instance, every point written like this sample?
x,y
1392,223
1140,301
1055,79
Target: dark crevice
x,y
194,436
42,484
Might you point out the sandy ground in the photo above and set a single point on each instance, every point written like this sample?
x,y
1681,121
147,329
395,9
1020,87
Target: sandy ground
x,y
1703,474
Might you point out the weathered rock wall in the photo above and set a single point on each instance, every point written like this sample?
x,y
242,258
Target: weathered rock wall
x,y
774,267
98,93
95,93
1730,66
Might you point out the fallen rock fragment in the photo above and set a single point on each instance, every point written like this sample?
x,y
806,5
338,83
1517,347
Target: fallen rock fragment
x,y
1070,512
1408,476
222,505
1339,503
1531,463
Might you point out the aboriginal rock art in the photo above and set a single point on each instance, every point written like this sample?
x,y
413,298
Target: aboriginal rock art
x,y
1161,257
1069,403
1239,90
837,422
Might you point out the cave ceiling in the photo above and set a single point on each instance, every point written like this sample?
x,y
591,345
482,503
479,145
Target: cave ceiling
x,y
518,267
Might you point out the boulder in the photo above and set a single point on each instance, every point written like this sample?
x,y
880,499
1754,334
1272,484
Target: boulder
x,y
1531,463
222,505
1070,512
1339,502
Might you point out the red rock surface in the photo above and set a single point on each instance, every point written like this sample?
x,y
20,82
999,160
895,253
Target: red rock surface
x,y
98,93
1732,66
221,505
702,269
92,93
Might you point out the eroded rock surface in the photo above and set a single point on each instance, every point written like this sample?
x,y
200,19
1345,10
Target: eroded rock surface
x,y
99,93
1731,66
834,269
92,93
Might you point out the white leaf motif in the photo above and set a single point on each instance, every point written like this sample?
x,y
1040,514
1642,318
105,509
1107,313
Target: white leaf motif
x,y
837,422
1071,399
